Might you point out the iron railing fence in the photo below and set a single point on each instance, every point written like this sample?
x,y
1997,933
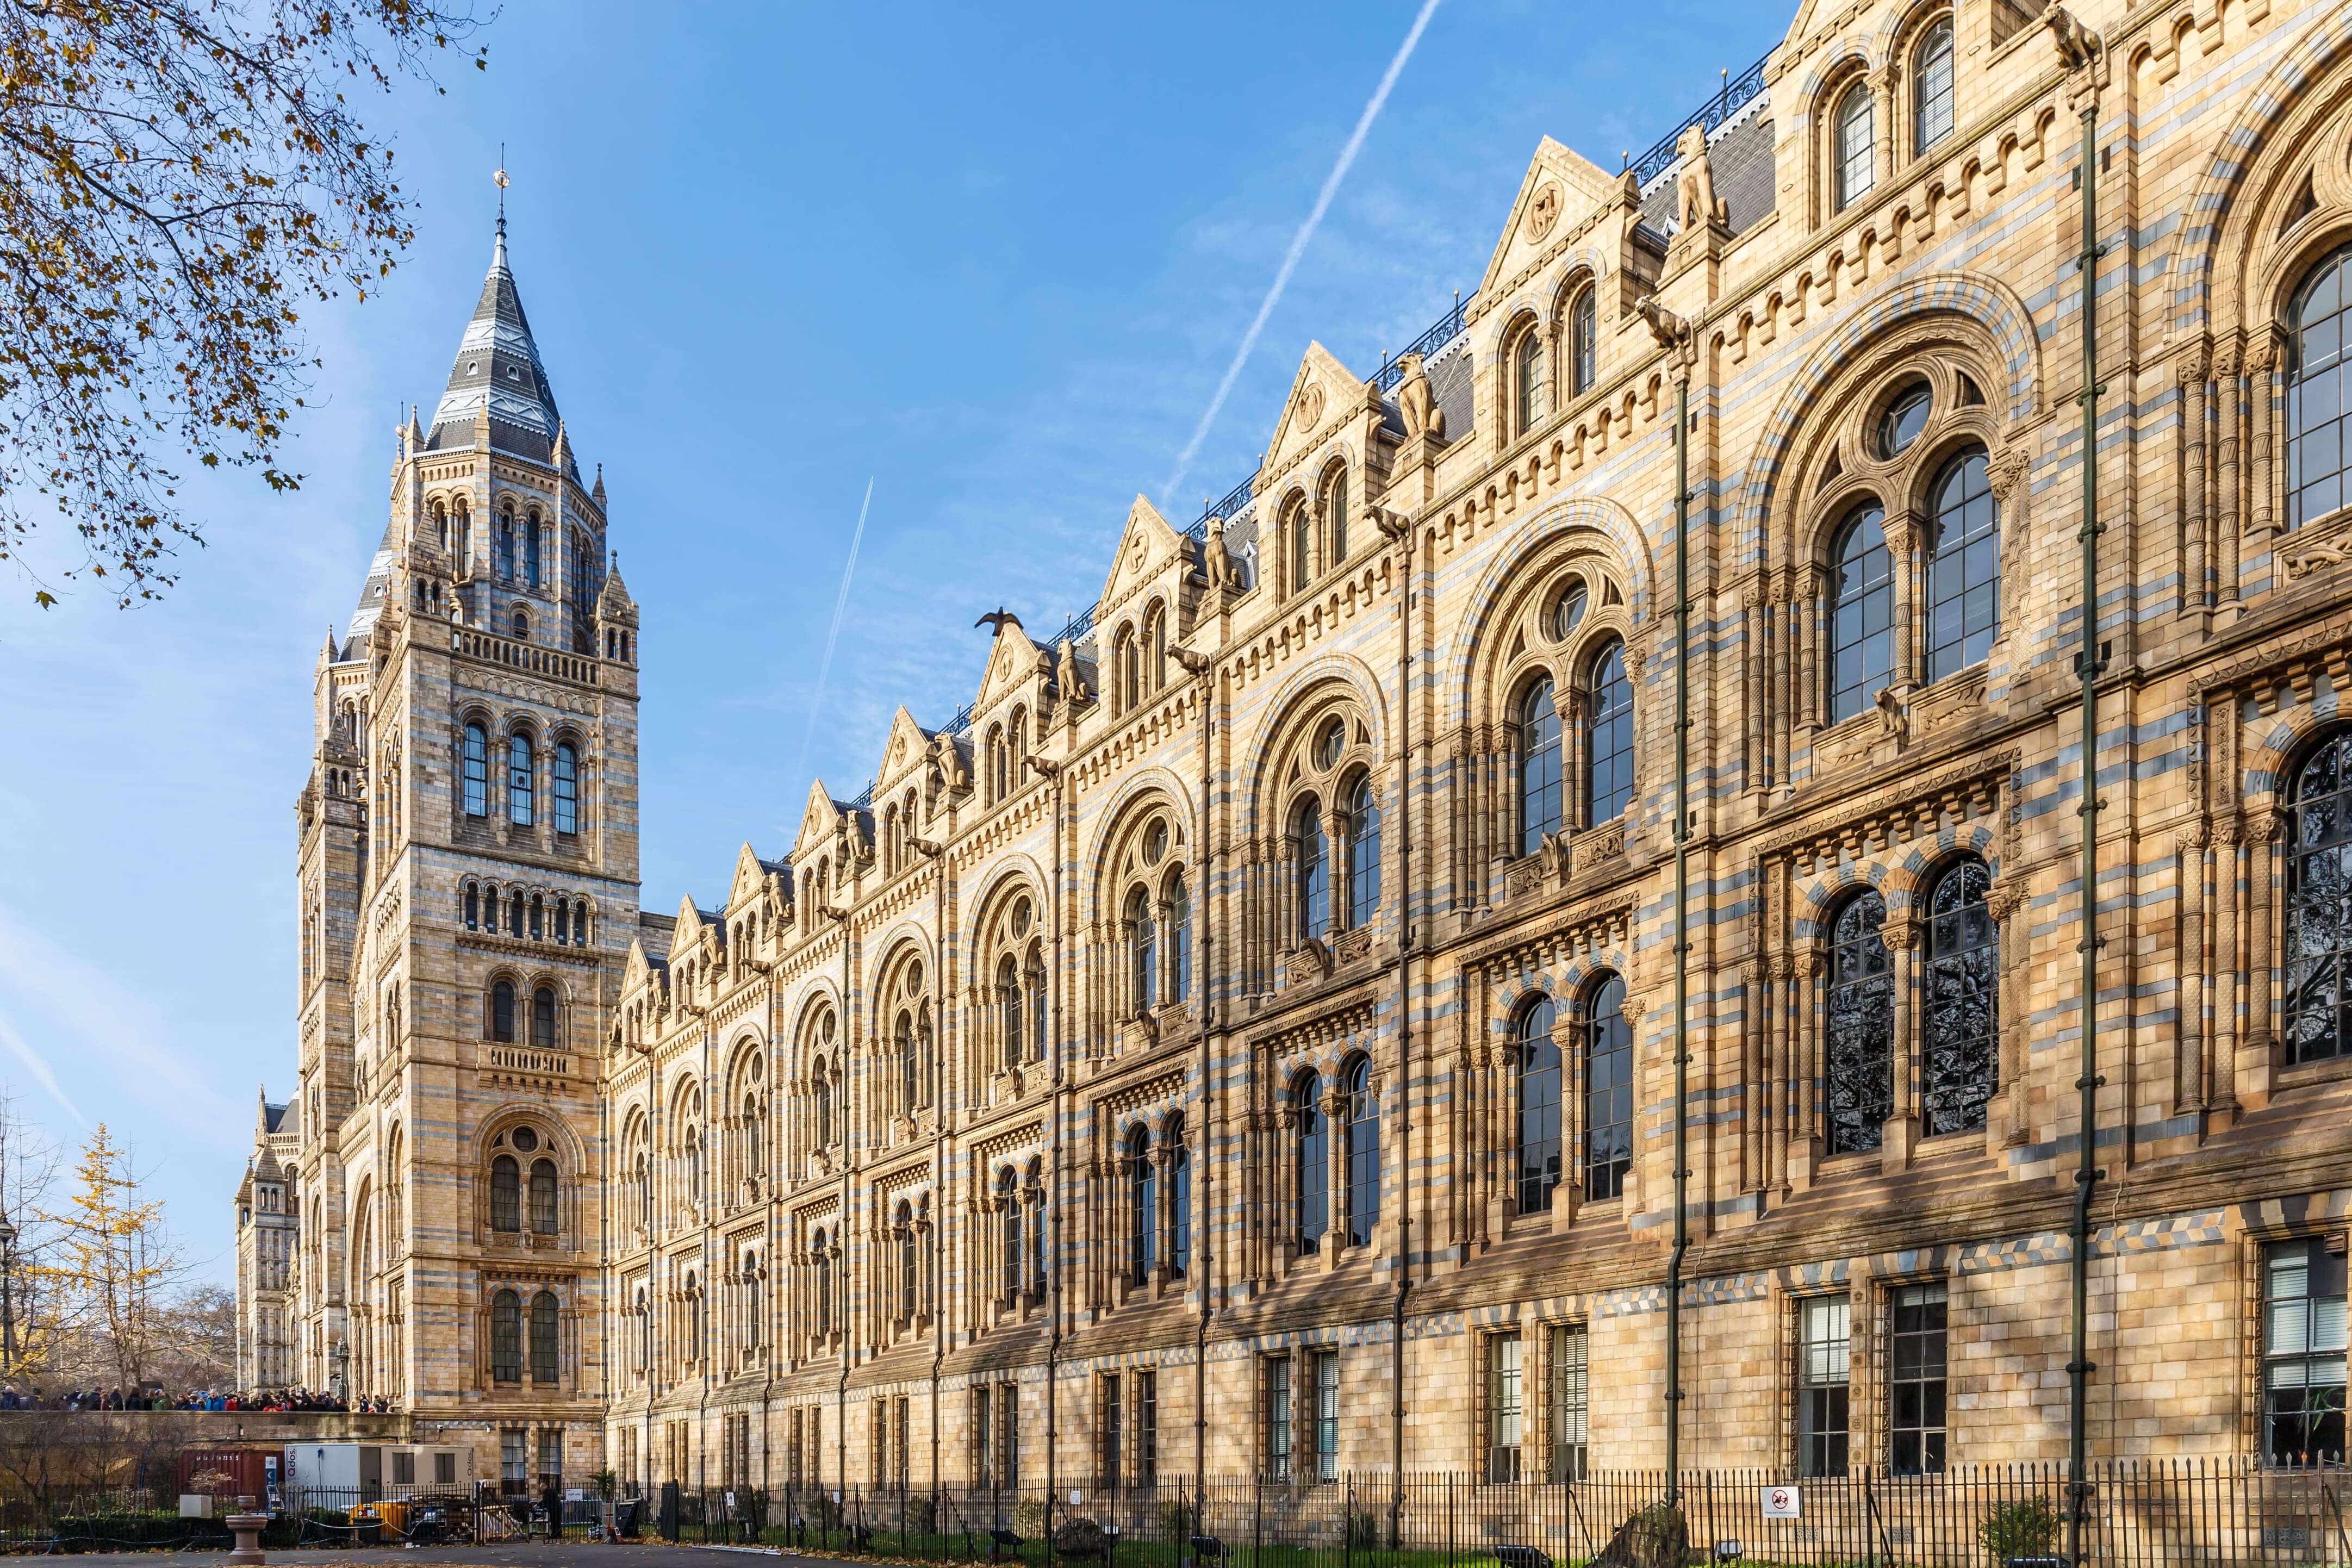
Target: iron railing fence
x,y
2138,1514
1735,94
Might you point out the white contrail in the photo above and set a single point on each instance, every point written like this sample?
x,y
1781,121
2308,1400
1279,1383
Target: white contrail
x,y
840,606
1297,248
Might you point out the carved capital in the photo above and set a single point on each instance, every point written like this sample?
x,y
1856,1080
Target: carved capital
x,y
2007,467
2195,366
2004,899
2230,832
1902,936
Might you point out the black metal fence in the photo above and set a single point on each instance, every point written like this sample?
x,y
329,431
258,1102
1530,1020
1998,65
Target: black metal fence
x,y
2136,1514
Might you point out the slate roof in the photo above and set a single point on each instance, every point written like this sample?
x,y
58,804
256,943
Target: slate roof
x,y
1739,152
497,366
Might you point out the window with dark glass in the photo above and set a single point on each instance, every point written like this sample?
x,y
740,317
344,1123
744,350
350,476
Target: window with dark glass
x,y
503,1012
1336,505
478,770
518,779
1904,420
1862,617
1861,1026
1143,1207
1362,1154
1567,610
1302,536
1036,978
1916,1380
1277,1418
1143,934
473,907
2303,1353
1824,1369
1033,1189
1008,997
530,552
1527,364
543,1019
542,1196
1008,1219
1114,1435
2318,427
1314,1155
506,1338
1327,1415
1314,871
506,560
1856,132
1538,1107
2319,891
543,1342
1583,340
1363,830
1504,1415
567,789
910,1265
1179,1203
1538,766
1961,1062
1146,1427
1571,1401
1179,939
1931,88
505,1194
1964,570
1608,736
824,1285
1607,1090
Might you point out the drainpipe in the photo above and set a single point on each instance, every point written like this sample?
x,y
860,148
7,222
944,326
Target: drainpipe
x,y
1202,666
840,1227
933,852
1398,532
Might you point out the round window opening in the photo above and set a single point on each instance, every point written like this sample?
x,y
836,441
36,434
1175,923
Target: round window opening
x,y
1021,918
525,1139
1567,610
1155,842
1904,419
1330,743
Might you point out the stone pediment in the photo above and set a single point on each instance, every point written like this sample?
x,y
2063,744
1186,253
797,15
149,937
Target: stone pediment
x,y
751,878
820,820
1012,666
688,936
1560,192
637,969
903,752
1325,396
1145,548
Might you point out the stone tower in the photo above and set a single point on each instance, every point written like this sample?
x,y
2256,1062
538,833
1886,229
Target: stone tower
x,y
469,886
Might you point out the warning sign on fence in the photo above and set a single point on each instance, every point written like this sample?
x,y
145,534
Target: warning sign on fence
x,y
1782,1502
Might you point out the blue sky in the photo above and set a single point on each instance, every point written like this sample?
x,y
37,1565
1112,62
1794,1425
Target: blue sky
x,y
994,259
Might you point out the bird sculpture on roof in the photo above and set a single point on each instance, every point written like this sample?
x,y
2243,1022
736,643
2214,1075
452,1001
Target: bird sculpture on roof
x,y
999,618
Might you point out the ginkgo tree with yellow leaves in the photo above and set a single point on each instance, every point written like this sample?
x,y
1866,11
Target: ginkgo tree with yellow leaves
x,y
115,1266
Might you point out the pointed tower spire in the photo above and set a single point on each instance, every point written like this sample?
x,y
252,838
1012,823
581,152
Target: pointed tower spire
x,y
498,371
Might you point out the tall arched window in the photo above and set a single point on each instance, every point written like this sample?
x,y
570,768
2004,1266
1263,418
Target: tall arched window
x,y
1361,823
1538,1107
1143,1207
503,1012
910,1081
1155,648
1583,342
518,779
1527,373
543,1197
753,1323
1180,939
478,770
910,1265
1179,1200
530,552
1961,1064
1862,616
1539,765
1362,1154
1008,1000
506,1337
2318,412
1931,88
1856,131
1143,935
1036,977
1129,665
1008,1219
542,1018
1608,736
464,542
567,788
544,1327
1033,1189
823,1284
1336,505
505,1194
693,1164
821,1106
1607,1090
1861,1026
1313,1147
1314,871
506,546
1963,571
1302,542
693,1317
2318,937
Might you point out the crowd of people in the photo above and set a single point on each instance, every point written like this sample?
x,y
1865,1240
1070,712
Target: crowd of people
x,y
193,1399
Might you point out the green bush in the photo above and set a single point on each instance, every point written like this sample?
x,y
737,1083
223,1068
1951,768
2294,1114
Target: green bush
x,y
2023,1528
1366,1530
1029,1518
1176,1520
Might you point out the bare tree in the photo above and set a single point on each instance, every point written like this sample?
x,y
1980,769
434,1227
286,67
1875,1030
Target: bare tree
x,y
39,1319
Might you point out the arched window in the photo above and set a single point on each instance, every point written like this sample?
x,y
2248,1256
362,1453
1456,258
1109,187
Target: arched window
x,y
2318,937
1963,1066
543,1330
823,1284
752,1325
567,788
1314,871
1129,665
1583,341
1314,1152
1539,765
542,1018
693,1164
1336,506
2319,412
645,1189
1143,937
538,924
520,625
464,542
1179,1200
1931,88
542,1196
506,1337
1180,939
693,1317
1527,373
1856,132
645,1332
1008,1219
473,907
1302,543
1035,976
506,546
1861,1026
1861,614
1361,824
505,1194
1008,999
1362,1154
1608,735
1607,1090
478,770
821,1106
1538,1107
1033,1189
910,1066
1143,1207
1963,571
911,1265
1155,648
502,1011
518,779
530,551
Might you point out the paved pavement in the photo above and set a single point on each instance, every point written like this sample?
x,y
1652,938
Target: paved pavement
x,y
507,1554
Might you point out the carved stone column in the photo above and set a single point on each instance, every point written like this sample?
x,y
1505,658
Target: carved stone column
x,y
1634,1007
1782,674
2261,474
2189,1063
2230,874
2012,952
1812,625
1906,532
1804,1144
1567,1037
2230,521
1780,1067
2195,575
2255,1062
1882,108
1569,702
1901,1135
